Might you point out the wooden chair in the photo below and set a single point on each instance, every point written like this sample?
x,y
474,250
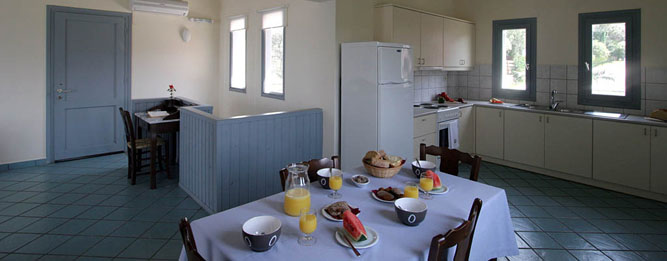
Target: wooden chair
x,y
136,147
313,166
189,241
461,237
449,160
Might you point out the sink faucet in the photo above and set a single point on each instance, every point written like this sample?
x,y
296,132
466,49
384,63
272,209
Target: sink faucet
x,y
554,103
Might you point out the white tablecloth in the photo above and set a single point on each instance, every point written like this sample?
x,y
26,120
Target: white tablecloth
x,y
218,237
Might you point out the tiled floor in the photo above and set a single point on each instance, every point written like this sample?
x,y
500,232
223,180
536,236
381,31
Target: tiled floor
x,y
561,220
86,210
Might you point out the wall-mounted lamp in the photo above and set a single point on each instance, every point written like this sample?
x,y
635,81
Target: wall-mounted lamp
x,y
186,35
200,20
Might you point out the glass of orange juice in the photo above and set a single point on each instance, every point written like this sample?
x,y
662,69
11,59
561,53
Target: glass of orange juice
x,y
335,182
411,190
426,184
307,225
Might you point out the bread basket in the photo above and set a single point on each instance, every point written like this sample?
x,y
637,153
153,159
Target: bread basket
x,y
382,172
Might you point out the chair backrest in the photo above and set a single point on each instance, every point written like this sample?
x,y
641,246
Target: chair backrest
x,y
129,128
461,237
189,241
313,166
450,158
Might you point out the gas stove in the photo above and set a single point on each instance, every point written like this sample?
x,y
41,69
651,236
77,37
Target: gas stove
x,y
445,113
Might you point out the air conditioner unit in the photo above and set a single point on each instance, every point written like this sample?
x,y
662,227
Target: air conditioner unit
x,y
172,7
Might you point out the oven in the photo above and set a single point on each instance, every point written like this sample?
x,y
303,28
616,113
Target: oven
x,y
448,134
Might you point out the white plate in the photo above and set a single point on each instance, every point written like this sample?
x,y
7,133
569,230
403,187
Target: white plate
x,y
329,217
381,200
373,238
442,190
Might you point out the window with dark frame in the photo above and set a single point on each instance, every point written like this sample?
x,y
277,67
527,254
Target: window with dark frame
x,y
273,53
514,59
237,57
609,59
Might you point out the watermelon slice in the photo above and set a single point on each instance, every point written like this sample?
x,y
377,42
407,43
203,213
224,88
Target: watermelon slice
x,y
436,179
353,226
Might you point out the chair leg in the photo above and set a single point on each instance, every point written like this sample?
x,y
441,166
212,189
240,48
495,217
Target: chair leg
x,y
130,163
137,166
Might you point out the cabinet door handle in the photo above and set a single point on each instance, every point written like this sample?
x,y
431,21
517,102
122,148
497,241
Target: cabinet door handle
x,y
655,133
423,119
500,114
540,118
645,131
547,119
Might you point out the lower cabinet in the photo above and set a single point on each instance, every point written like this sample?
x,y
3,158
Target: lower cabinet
x,y
568,145
489,132
659,159
524,137
622,153
428,139
467,130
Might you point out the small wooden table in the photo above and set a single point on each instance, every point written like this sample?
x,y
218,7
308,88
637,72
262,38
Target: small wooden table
x,y
154,126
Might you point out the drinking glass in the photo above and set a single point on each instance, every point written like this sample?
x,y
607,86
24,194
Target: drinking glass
x,y
307,225
426,184
335,183
411,190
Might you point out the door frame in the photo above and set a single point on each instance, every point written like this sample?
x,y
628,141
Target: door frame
x,y
51,10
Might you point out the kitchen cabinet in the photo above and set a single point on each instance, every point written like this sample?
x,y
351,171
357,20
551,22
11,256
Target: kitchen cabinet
x,y
467,129
458,44
429,140
621,153
427,33
489,132
524,137
424,125
659,160
568,145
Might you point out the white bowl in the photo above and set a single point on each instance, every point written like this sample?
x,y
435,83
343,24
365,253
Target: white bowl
x,y
361,185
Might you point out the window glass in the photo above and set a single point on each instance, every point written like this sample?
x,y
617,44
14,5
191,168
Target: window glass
x,y
238,54
514,59
273,53
608,59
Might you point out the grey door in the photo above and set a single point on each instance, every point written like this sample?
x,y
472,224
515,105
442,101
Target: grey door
x,y
89,60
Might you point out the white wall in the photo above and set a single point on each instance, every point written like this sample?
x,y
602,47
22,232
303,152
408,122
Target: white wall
x,y
159,58
310,61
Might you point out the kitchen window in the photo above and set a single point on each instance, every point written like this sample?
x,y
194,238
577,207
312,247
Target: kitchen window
x,y
273,53
609,59
237,56
514,56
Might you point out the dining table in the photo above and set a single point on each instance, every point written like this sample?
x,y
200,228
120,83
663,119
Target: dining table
x,y
219,236
155,126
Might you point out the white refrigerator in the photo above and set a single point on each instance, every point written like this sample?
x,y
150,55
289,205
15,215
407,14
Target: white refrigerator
x,y
376,101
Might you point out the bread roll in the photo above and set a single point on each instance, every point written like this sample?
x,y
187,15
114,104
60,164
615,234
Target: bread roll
x,y
382,153
372,155
380,163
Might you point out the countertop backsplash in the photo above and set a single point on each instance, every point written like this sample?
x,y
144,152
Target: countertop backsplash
x,y
428,84
476,85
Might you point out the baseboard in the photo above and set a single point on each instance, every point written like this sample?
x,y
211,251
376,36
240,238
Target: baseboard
x,y
22,164
207,209
582,180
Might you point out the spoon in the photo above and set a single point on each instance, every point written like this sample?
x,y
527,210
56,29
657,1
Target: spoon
x,y
352,246
418,162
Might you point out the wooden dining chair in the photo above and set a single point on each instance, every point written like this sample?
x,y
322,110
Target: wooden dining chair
x,y
189,241
461,237
313,166
137,147
450,159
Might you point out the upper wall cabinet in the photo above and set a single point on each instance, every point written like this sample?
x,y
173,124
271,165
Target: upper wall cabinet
x,y
438,42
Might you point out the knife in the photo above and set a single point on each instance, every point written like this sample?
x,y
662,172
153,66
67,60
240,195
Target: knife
x,y
352,246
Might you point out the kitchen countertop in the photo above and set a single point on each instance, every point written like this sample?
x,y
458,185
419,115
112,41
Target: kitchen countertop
x,y
512,106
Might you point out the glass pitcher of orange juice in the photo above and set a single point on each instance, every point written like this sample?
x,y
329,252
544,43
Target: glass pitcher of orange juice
x,y
297,189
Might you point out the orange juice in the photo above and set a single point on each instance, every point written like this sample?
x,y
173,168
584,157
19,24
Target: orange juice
x,y
335,182
296,199
308,223
426,184
411,191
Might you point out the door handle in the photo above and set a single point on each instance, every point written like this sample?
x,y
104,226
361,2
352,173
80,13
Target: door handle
x,y
540,118
655,133
645,131
59,90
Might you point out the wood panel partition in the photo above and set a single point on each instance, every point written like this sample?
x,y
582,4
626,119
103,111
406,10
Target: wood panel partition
x,y
228,162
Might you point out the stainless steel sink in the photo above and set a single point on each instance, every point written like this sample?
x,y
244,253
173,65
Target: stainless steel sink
x,y
575,111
